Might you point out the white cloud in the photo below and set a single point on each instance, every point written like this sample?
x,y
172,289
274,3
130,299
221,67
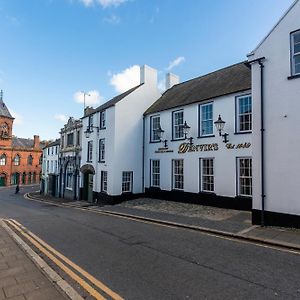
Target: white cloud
x,y
177,61
126,79
113,19
61,117
18,118
103,3
162,85
92,98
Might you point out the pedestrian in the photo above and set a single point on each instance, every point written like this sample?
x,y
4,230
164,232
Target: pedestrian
x,y
17,189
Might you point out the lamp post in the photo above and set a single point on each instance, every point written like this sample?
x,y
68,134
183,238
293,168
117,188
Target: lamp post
x,y
89,131
84,94
160,134
186,131
220,127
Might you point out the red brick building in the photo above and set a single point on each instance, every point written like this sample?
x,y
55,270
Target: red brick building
x,y
20,159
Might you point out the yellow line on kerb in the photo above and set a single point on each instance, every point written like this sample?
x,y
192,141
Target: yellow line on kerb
x,y
46,249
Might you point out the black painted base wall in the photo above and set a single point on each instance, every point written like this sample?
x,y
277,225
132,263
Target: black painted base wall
x,y
209,199
275,219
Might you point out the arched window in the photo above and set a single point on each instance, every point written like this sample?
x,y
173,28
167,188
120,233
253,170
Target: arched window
x,y
4,130
3,160
24,178
29,160
17,160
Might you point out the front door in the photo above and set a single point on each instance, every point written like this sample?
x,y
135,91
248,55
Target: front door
x,y
90,187
2,180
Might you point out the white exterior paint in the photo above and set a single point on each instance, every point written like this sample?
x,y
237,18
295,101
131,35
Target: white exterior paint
x,y
224,159
281,117
123,137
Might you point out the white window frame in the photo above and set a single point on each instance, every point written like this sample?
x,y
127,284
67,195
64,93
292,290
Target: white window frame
x,y
104,181
177,184
294,54
242,176
127,180
17,162
155,173
103,119
202,120
90,151
154,125
177,128
69,176
205,175
238,114
3,159
102,150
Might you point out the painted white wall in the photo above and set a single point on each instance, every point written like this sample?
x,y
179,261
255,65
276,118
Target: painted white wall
x,y
282,126
224,159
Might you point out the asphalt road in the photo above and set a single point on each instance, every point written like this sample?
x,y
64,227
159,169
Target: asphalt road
x,y
146,261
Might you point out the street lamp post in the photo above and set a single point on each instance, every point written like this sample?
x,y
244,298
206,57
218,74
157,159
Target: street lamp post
x,y
84,94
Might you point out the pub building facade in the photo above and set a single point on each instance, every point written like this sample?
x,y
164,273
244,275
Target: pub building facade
x,y
198,140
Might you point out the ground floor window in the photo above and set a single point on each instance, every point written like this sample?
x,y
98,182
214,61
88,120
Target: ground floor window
x,y
178,177
24,178
127,182
207,174
155,173
69,176
104,181
244,176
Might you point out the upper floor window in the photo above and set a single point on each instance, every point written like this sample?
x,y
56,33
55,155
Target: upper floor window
x,y
244,113
17,160
295,52
154,126
56,150
91,122
177,121
48,151
206,119
4,130
70,139
3,160
102,119
102,150
78,138
41,160
52,150
90,151
30,160
62,141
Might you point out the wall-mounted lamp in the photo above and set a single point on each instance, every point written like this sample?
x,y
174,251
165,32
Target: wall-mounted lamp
x,y
186,131
220,127
160,134
89,130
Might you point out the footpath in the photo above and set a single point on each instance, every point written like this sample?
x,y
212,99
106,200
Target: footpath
x,y
20,278
224,222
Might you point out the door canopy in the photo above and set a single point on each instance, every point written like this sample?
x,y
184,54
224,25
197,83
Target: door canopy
x,y
87,169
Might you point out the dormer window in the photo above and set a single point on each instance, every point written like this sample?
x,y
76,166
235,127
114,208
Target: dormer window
x,y
295,52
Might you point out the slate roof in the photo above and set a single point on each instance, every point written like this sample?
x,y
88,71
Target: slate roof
x,y
226,81
4,112
55,143
113,101
24,143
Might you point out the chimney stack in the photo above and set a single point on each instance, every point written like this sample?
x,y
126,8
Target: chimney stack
x,y
148,75
171,79
36,142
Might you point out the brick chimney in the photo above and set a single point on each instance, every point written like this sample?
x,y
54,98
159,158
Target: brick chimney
x,y
36,141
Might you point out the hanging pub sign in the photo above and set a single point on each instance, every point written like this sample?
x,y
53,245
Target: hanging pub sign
x,y
187,147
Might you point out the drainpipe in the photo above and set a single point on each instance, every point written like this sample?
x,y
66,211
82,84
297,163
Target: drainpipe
x,y
143,163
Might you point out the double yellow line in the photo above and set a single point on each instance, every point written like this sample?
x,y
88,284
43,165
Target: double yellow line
x,y
64,263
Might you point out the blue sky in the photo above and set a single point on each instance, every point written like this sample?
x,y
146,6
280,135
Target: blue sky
x,y
52,49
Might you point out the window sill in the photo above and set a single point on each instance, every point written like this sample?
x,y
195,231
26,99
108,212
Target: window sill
x,y
205,136
294,76
207,192
101,161
175,140
103,128
154,142
243,132
89,161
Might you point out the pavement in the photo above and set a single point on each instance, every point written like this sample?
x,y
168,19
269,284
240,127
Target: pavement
x,y
233,223
20,278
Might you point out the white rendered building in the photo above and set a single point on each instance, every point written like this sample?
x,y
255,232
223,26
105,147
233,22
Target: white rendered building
x,y
276,103
50,169
185,157
112,143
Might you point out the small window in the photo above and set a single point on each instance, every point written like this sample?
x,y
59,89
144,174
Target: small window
x,y
78,138
3,160
69,176
295,52
102,120
30,160
41,160
206,119
245,176
155,125
90,151
155,173
52,150
127,182
104,181
91,122
244,113
102,150
178,176
207,172
178,125
70,139
17,160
